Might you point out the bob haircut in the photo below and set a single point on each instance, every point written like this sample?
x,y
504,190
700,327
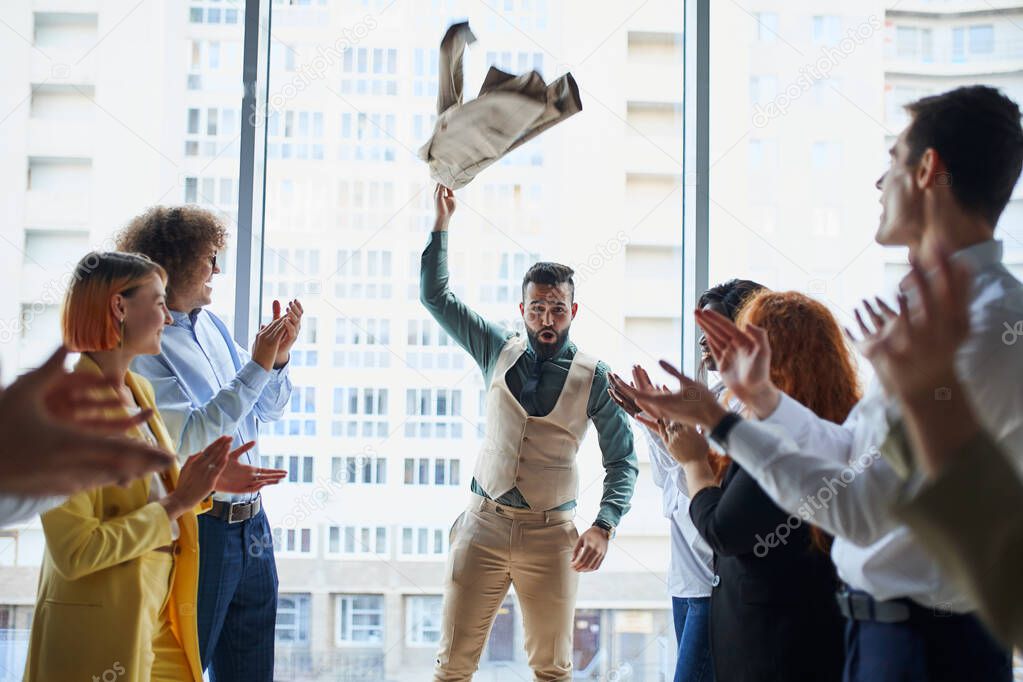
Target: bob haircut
x,y
86,321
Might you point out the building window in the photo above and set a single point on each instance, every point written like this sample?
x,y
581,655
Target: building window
x,y
364,204
422,620
357,540
293,541
301,354
213,192
363,274
766,28
212,12
369,71
360,412
359,470
424,542
426,471
972,40
300,469
211,132
303,402
763,154
912,42
360,619
827,30
367,136
442,351
433,413
292,619
362,342
506,286
293,273
424,72
295,135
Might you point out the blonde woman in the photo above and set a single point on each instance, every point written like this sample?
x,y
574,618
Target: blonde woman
x,y
117,591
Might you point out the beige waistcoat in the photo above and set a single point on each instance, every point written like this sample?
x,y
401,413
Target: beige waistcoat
x,y
534,454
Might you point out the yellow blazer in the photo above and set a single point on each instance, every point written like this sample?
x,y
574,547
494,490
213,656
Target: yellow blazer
x,y
88,616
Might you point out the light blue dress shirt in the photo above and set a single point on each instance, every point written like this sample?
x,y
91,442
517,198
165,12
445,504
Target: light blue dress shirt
x,y
207,386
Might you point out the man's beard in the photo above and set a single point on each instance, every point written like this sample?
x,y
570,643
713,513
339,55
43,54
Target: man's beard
x,y
543,348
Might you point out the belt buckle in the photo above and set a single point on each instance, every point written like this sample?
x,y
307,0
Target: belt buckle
x,y
230,513
862,607
844,600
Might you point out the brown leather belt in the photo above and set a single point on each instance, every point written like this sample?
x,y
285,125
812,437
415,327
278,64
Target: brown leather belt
x,y
235,512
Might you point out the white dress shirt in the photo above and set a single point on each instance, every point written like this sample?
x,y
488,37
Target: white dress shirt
x,y
690,570
835,477
17,508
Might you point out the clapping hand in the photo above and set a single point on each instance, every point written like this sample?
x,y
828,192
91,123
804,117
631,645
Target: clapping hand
x,y
913,350
692,404
743,359
292,323
61,432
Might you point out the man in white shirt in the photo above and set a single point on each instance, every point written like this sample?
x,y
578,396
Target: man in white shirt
x,y
952,173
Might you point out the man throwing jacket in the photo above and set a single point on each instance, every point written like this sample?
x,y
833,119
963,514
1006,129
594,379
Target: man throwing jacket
x,y
518,528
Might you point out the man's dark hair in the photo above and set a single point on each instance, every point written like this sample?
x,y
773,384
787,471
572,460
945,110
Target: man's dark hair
x,y
551,274
730,295
976,132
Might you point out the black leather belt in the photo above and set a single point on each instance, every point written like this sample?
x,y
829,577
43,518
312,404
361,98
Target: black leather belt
x,y
861,606
235,512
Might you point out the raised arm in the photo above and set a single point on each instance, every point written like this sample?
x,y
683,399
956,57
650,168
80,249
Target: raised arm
x,y
483,340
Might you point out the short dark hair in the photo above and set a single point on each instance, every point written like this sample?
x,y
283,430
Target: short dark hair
x,y
176,237
976,132
551,274
730,295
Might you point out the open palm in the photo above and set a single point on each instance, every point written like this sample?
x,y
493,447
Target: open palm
x,y
912,349
743,357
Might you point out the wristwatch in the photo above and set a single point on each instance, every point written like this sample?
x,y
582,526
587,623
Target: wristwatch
x,y
604,525
719,434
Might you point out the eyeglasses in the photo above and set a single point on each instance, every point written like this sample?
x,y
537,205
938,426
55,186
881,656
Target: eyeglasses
x,y
213,260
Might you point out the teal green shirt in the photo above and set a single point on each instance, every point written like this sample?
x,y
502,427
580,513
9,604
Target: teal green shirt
x,y
483,340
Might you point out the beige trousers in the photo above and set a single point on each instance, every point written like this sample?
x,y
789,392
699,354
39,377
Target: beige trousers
x,y
492,548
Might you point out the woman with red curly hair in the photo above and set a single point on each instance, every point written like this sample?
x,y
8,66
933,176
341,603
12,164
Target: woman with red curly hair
x,y
773,611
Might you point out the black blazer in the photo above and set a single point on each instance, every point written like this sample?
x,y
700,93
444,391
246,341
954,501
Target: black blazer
x,y
773,615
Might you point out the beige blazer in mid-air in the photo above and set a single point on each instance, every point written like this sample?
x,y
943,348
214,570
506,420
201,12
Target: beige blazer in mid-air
x,y
509,111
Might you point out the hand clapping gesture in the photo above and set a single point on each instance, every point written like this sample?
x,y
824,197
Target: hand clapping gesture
x,y
913,351
59,434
